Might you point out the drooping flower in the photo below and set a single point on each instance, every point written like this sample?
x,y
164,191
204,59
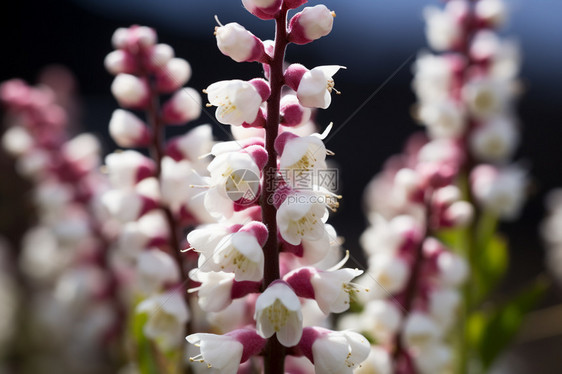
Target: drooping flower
x,y
278,311
237,101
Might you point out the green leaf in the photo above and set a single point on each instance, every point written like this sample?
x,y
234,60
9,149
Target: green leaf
x,y
497,328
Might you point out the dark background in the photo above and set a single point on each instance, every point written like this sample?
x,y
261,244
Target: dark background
x,y
373,38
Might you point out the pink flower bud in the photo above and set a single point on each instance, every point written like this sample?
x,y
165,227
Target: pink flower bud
x,y
190,146
119,61
183,107
127,130
293,75
160,55
311,24
130,91
239,44
120,38
264,9
174,75
292,113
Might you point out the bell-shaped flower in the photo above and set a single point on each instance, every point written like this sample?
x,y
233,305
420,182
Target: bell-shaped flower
x,y
278,311
443,27
310,24
237,101
167,316
420,330
293,114
495,140
388,274
239,252
383,319
434,358
314,87
125,169
486,97
149,230
154,269
444,119
299,156
301,216
219,289
501,191
238,43
334,351
332,289
226,352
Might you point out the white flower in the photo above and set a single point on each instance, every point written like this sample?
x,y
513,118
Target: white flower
x,y
137,235
323,253
494,140
378,362
278,311
501,191
333,290
443,306
443,30
240,253
129,90
220,352
339,352
235,177
389,273
155,268
433,358
302,155
175,181
486,98
382,319
237,101
17,141
433,78
126,129
453,269
125,168
175,74
122,205
167,315
444,119
420,330
214,294
494,12
301,216
386,236
316,86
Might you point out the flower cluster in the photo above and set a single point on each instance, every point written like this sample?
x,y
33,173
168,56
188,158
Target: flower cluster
x,y
64,257
465,100
149,201
467,94
271,253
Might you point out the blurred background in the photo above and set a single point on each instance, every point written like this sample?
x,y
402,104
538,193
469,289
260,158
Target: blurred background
x,y
377,41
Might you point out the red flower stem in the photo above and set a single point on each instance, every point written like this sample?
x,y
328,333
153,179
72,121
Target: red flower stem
x,y
274,352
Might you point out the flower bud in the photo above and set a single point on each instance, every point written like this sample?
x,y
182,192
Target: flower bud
x,y
311,24
130,91
239,44
127,130
120,38
491,13
160,55
264,9
292,113
195,143
118,62
173,75
184,106
125,169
